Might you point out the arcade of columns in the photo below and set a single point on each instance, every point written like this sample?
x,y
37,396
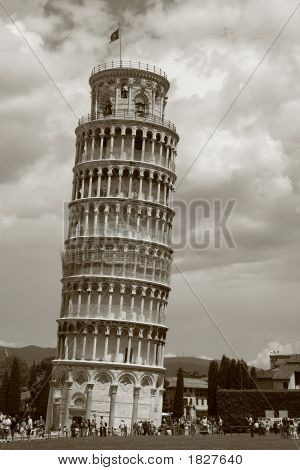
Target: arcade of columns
x,y
117,258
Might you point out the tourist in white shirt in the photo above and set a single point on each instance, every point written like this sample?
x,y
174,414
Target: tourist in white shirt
x,y
29,427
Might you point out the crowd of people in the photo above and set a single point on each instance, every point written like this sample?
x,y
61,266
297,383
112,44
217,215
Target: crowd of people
x,y
286,427
25,428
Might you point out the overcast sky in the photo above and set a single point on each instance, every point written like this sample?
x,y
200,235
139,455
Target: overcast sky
x,y
208,50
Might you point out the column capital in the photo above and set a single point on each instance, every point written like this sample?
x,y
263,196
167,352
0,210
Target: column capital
x,y
136,391
69,384
153,392
89,387
113,389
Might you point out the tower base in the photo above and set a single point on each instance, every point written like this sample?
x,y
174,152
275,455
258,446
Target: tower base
x,y
117,393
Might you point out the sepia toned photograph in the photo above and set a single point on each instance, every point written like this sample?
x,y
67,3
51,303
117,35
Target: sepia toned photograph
x,y
149,232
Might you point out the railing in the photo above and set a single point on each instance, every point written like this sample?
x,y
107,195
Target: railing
x,y
113,312
123,231
127,115
117,272
128,64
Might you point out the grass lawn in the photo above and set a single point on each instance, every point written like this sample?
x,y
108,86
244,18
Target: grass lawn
x,y
199,442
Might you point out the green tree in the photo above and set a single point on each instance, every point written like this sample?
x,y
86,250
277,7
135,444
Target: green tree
x,y
166,399
14,389
42,400
213,379
238,376
24,369
33,375
4,392
244,375
232,371
224,373
39,390
178,405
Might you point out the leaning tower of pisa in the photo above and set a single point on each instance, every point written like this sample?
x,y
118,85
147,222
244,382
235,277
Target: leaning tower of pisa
x,y
117,258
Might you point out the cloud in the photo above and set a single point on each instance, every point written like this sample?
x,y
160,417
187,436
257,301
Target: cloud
x,y
203,356
6,344
208,50
262,359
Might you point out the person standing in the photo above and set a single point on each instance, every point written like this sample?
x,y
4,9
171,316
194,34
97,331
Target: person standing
x,y
29,427
6,423
251,425
13,428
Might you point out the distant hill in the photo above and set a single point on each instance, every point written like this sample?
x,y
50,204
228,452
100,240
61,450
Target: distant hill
x,y
32,354
188,364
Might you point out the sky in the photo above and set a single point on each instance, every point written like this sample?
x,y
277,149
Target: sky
x,y
231,95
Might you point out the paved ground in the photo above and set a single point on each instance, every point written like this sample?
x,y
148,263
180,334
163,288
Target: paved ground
x,y
242,441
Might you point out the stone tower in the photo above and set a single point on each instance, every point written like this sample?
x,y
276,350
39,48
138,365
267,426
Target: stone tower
x,y
117,257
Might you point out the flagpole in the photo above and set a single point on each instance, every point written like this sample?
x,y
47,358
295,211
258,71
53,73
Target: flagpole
x,y
120,44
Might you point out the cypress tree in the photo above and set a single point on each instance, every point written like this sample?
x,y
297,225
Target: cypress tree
x,y
41,401
33,375
224,373
213,378
244,375
4,393
178,405
232,370
238,376
166,400
14,389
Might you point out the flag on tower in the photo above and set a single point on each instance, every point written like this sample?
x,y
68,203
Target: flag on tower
x,y
115,35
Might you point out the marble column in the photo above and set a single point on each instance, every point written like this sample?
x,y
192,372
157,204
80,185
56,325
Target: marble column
x,y
152,403
69,384
83,345
113,394
89,396
136,395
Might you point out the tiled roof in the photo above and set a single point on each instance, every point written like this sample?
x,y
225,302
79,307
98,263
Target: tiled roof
x,y
189,382
294,359
264,374
285,371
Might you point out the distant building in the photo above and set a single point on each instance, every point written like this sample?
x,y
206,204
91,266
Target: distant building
x,y
195,395
283,375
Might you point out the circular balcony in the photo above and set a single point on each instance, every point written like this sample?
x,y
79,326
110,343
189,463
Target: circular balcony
x,y
129,64
127,115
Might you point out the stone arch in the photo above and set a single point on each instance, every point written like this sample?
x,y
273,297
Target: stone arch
x,y
146,381
78,400
106,101
126,379
103,378
60,376
141,102
81,377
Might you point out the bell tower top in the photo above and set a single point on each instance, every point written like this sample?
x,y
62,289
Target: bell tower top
x,y
127,87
